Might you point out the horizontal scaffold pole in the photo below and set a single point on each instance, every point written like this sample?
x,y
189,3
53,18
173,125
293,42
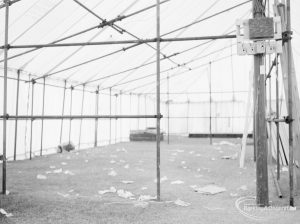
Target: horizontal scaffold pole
x,y
73,117
141,41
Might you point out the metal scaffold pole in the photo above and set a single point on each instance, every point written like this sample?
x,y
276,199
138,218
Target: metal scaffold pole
x,y
116,121
277,123
290,104
5,96
31,123
168,107
96,120
82,107
62,112
43,113
110,115
17,113
120,112
210,99
158,100
71,102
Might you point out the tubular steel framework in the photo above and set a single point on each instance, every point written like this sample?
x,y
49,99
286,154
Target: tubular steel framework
x,y
262,195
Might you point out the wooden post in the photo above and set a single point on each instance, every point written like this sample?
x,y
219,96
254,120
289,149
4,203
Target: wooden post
x,y
7,2
62,112
43,113
17,113
262,191
96,120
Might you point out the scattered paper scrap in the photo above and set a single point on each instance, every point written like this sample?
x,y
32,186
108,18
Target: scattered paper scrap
x,y
86,160
125,194
112,173
144,188
198,155
284,169
3,212
181,203
192,152
63,195
63,163
210,189
41,177
225,143
127,182
52,167
183,162
58,171
112,161
110,190
233,157
213,159
233,194
67,172
126,166
177,182
146,198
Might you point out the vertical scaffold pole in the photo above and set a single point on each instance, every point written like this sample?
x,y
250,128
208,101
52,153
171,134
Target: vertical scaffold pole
x,y
96,120
168,107
62,113
130,110
81,113
138,111
187,116
31,123
145,104
262,191
71,102
277,123
17,113
109,115
116,120
5,96
158,99
43,113
210,99
290,104
120,111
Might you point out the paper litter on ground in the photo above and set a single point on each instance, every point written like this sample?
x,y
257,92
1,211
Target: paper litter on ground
x,y
177,182
234,156
210,189
112,173
183,162
181,203
112,161
225,143
125,194
52,167
41,177
126,166
146,198
63,163
144,188
58,171
233,194
127,181
3,212
67,172
63,195
110,190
